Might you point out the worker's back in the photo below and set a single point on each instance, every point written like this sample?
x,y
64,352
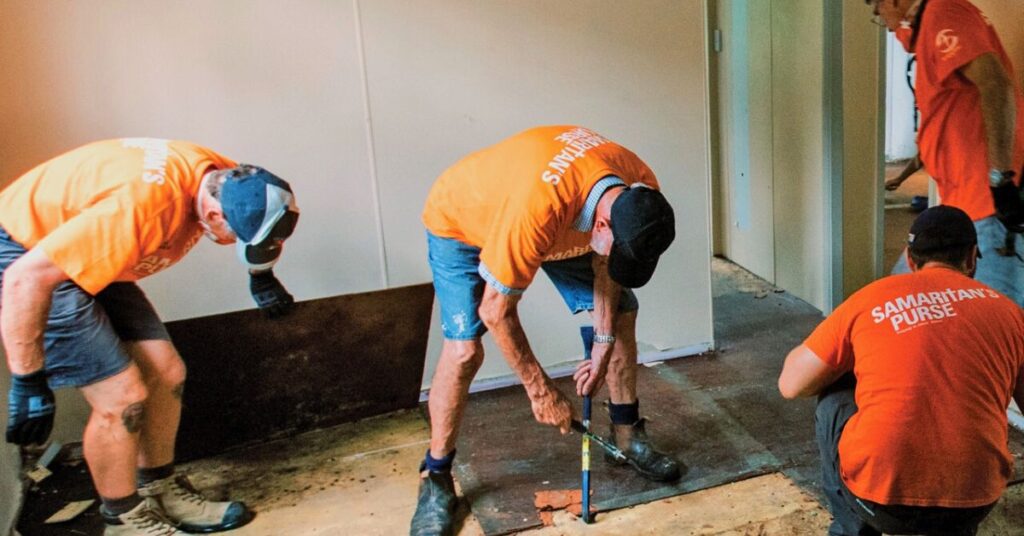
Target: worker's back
x,y
936,355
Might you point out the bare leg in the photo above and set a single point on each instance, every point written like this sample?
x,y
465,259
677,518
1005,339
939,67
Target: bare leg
x,y
621,375
111,440
449,390
164,374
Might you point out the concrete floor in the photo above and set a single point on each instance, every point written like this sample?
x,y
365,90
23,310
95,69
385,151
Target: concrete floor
x,y
360,479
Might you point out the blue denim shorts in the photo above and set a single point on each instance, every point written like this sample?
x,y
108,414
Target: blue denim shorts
x,y
1004,274
84,333
460,288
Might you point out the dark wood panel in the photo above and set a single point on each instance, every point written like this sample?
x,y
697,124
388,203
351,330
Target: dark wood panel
x,y
331,360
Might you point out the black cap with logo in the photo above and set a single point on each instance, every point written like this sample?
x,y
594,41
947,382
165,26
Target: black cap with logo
x,y
941,227
643,226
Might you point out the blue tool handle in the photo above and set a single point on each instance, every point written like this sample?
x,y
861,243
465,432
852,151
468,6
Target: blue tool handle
x,y
587,333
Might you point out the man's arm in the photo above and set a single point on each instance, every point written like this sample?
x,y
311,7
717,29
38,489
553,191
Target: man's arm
x,y
912,167
28,286
606,305
998,107
499,313
804,374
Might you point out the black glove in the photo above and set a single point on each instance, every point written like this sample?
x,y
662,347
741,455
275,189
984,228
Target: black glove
x,y
1009,208
269,294
30,407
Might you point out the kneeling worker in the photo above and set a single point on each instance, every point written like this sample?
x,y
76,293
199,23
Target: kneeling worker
x,y
913,375
588,212
76,232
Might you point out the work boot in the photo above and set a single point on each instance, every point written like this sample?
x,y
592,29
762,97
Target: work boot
x,y
192,512
640,454
435,509
146,519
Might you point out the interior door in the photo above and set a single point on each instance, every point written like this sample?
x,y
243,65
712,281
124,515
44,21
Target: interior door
x,y
741,65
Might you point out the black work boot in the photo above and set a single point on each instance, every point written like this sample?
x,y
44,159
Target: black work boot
x,y
435,509
640,454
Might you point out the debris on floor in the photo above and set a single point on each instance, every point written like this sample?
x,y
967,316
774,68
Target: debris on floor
x,y
70,511
548,501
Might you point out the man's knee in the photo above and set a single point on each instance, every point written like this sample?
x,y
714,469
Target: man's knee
x,y
124,407
171,373
466,355
161,365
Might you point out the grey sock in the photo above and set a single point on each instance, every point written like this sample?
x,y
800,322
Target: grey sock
x,y
117,507
145,475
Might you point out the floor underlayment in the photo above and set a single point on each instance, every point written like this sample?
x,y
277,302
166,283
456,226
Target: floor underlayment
x,y
360,478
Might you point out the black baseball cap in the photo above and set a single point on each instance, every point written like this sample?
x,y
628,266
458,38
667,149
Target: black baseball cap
x,y
643,226
941,227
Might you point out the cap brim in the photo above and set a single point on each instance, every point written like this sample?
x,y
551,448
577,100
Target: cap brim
x,y
260,256
628,272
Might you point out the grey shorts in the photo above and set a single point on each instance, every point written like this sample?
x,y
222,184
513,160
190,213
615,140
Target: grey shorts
x,y
84,333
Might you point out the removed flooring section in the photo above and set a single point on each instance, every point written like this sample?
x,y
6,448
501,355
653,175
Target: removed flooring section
x,y
505,456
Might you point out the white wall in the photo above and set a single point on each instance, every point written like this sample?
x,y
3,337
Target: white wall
x,y
796,79
863,142
900,138
283,86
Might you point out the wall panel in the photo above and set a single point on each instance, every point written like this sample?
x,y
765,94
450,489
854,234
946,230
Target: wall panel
x,y
282,86
797,71
446,78
257,82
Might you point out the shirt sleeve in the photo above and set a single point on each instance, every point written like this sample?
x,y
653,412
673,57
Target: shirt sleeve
x,y
953,37
830,341
515,249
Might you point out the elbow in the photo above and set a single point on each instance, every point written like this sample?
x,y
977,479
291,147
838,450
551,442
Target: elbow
x,y
786,390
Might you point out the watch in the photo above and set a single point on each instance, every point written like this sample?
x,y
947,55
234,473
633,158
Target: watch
x,y
997,177
604,339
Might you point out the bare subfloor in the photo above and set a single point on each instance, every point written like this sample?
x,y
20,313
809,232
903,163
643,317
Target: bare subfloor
x,y
360,479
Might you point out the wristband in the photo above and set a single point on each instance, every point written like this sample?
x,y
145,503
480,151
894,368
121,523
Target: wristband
x,y
604,339
997,177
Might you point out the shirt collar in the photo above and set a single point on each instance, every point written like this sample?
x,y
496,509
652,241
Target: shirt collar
x,y
585,221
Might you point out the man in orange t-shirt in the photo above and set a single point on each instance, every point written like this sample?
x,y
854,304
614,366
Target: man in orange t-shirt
x,y
76,232
914,373
972,126
588,212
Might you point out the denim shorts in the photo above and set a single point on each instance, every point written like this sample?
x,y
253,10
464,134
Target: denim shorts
x,y
1003,273
84,333
460,287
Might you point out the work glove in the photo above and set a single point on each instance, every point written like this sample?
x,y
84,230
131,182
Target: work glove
x,y
269,294
30,407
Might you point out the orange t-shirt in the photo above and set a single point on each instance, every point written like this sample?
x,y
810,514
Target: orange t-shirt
x,y
518,200
115,210
936,355
952,140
